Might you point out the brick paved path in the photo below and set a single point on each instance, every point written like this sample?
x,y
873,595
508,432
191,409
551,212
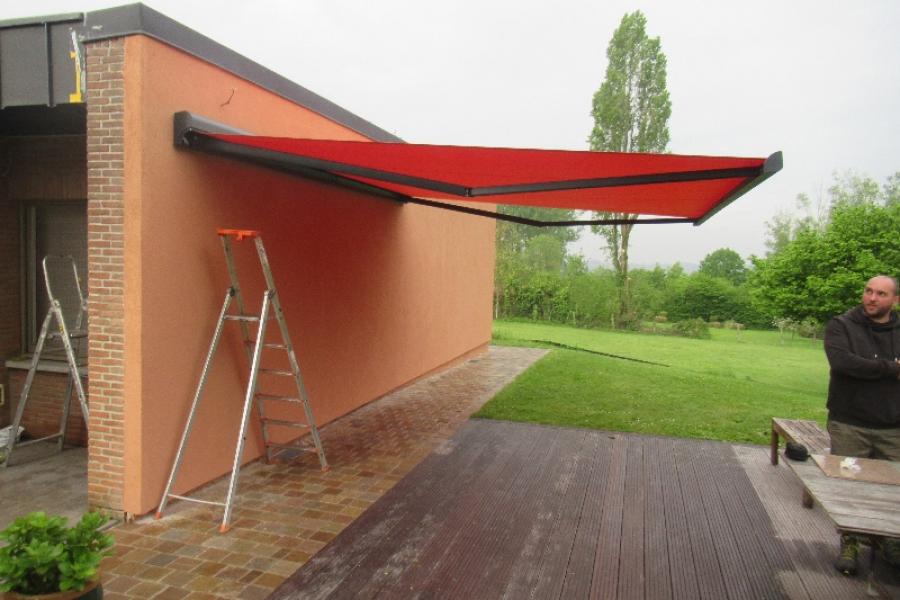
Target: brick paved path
x,y
286,513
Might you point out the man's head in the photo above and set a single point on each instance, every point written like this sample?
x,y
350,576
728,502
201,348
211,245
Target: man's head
x,y
880,298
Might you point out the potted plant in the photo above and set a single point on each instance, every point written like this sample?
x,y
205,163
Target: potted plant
x,y
44,558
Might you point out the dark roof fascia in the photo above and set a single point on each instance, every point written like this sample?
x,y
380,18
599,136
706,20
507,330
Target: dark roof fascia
x,y
45,20
138,19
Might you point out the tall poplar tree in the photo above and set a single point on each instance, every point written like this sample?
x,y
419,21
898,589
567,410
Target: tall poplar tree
x,y
631,114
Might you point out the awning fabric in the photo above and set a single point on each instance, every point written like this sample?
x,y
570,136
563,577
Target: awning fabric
x,y
674,188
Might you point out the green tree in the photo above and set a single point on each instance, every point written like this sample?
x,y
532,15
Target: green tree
x,y
649,289
593,297
545,253
704,297
846,188
513,236
821,273
852,188
515,258
631,114
725,263
779,232
890,193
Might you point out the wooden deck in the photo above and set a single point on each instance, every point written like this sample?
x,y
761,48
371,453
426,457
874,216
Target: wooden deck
x,y
507,510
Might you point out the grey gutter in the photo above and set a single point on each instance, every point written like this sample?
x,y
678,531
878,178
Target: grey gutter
x,y
48,20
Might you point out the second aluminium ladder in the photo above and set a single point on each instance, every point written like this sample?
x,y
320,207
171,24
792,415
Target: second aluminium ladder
x,y
71,342
271,306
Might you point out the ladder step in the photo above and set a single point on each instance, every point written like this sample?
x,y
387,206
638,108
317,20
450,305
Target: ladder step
x,y
284,423
197,500
292,399
73,335
274,346
249,318
279,372
38,440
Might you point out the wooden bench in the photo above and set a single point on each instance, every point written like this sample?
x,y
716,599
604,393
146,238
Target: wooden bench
x,y
807,433
803,432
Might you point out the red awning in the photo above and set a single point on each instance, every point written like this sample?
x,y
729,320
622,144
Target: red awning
x,y
677,188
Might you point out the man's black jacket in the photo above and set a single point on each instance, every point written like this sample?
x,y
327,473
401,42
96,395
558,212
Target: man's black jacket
x,y
864,388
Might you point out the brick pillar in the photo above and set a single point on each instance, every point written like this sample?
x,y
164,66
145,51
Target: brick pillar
x,y
106,264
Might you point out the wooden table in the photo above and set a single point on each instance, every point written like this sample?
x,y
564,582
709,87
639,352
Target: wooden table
x,y
861,507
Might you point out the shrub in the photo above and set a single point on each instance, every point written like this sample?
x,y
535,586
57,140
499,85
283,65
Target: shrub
x,y
809,328
692,328
43,556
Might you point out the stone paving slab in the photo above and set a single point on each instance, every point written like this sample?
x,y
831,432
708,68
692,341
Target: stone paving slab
x,y
41,478
285,513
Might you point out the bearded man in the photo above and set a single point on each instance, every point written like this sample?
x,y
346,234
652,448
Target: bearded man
x,y
863,350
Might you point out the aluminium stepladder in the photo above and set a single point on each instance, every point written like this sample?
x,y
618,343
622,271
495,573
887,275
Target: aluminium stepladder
x,y
71,341
271,305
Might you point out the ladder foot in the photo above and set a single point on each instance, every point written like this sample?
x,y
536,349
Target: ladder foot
x,y
326,468
223,528
157,516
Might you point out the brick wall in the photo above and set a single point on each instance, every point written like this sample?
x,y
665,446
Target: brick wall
x,y
105,164
44,408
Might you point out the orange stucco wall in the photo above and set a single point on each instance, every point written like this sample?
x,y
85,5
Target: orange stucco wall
x,y
375,293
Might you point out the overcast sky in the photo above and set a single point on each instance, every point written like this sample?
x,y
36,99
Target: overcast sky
x,y
818,80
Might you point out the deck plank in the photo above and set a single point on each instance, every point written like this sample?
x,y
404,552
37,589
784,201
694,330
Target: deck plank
x,y
684,583
658,578
771,554
631,558
712,584
578,571
751,554
728,544
605,580
541,564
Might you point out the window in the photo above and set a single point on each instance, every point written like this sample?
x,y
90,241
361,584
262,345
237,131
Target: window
x,y
54,228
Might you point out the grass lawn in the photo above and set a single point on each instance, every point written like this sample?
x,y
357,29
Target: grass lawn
x,y
726,388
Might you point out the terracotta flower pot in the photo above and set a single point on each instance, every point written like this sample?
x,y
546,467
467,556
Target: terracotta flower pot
x,y
92,591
